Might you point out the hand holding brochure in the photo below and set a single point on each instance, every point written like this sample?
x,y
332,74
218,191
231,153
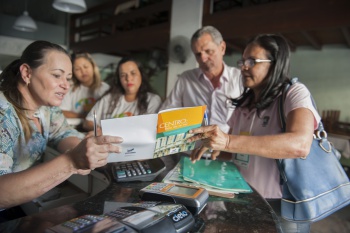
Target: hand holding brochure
x,y
154,135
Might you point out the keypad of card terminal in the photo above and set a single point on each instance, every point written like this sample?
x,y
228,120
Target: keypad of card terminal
x,y
143,170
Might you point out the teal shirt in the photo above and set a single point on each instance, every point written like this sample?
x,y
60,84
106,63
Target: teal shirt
x,y
15,153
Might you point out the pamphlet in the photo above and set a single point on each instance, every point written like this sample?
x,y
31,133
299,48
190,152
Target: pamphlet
x,y
175,176
154,135
222,175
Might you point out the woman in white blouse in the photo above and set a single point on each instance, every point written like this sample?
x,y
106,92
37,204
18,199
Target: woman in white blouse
x,y
130,94
87,87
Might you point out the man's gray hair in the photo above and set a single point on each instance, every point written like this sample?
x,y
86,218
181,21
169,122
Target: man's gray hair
x,y
215,34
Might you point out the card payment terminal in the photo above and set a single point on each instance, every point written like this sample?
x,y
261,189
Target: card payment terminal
x,y
144,217
194,198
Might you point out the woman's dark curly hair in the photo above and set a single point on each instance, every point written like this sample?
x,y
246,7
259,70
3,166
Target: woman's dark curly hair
x,y
117,91
278,76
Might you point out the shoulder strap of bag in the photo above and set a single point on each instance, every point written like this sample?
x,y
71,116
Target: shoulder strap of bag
x,y
281,102
281,106
319,134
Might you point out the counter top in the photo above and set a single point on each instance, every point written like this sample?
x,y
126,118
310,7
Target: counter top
x,y
244,213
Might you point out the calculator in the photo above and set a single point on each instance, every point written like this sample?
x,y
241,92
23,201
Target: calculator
x,y
140,170
91,223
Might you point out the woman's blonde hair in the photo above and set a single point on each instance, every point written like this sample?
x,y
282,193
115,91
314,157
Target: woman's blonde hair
x,y
96,83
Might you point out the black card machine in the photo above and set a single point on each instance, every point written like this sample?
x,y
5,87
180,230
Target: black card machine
x,y
145,217
194,198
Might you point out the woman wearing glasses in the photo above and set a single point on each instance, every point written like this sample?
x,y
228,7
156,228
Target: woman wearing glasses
x,y
256,138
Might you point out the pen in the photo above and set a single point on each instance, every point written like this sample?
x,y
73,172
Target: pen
x,y
95,127
206,123
206,118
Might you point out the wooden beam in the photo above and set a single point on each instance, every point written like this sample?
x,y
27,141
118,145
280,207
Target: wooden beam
x,y
312,40
128,41
207,7
99,8
346,35
234,47
137,13
280,17
292,46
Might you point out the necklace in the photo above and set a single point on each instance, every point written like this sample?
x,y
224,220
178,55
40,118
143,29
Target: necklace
x,y
250,127
251,124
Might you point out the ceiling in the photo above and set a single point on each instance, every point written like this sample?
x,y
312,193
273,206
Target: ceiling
x,y
40,10
305,23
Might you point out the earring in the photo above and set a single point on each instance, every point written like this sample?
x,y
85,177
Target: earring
x,y
27,82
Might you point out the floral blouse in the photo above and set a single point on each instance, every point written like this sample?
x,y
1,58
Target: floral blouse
x,y
15,153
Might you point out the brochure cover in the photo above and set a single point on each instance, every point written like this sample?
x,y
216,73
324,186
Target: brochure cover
x,y
175,176
154,135
222,175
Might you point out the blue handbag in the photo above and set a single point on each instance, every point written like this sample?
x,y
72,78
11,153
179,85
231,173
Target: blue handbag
x,y
316,186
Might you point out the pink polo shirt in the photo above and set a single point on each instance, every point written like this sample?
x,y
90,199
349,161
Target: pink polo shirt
x,y
262,173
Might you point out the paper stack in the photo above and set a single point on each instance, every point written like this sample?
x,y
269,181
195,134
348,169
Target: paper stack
x,y
219,178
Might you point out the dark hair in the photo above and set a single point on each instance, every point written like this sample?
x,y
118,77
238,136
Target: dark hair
x,y
278,76
33,56
117,91
97,82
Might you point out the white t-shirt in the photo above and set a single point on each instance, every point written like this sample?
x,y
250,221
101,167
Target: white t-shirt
x,y
81,100
260,172
123,108
193,88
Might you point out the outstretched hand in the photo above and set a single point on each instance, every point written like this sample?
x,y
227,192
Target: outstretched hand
x,y
212,139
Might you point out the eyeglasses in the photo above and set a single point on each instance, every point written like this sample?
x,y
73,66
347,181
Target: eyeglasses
x,y
250,62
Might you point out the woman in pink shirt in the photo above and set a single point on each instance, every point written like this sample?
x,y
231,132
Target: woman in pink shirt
x,y
257,138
